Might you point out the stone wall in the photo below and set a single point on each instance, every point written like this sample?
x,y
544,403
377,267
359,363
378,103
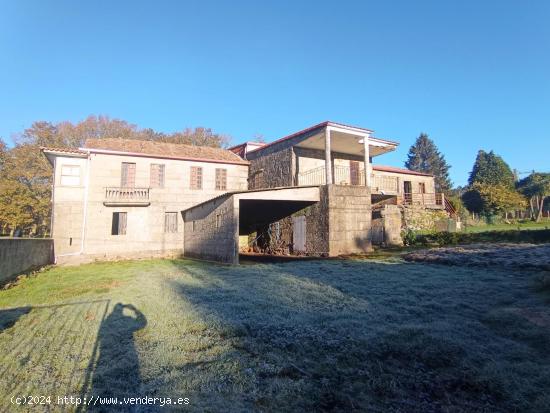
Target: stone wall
x,y
392,218
18,255
349,219
211,231
272,170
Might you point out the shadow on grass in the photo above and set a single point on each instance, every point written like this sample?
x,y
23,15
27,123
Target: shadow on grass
x,y
114,365
70,349
9,317
344,336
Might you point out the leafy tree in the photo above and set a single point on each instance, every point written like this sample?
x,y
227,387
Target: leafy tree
x,y
25,181
473,201
3,151
25,174
499,199
424,157
491,169
536,187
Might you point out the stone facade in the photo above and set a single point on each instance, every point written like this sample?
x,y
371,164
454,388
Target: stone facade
x,y
338,224
83,204
212,231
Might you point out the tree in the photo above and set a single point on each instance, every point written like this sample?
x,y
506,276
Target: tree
x,y
499,199
25,182
3,152
199,136
491,169
536,187
424,157
25,174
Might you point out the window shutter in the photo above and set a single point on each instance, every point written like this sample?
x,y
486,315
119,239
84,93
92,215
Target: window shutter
x,y
170,222
221,179
128,175
196,177
122,219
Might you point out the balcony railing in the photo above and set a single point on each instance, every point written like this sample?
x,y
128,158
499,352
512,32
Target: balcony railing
x,y
344,175
128,196
432,200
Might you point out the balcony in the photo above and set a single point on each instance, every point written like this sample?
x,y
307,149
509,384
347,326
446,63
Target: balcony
x,y
344,175
117,196
432,201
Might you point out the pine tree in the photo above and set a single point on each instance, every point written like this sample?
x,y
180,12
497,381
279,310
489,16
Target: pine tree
x,y
491,169
424,157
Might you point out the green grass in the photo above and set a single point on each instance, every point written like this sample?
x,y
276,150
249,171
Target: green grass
x,y
364,335
544,224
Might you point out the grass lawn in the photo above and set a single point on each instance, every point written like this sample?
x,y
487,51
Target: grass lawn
x,y
303,336
544,224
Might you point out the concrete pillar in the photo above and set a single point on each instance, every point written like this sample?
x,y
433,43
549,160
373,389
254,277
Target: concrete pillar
x,y
328,166
366,161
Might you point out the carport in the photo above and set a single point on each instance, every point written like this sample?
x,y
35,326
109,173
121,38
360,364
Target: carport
x,y
212,228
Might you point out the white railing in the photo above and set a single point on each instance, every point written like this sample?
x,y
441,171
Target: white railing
x,y
126,194
344,175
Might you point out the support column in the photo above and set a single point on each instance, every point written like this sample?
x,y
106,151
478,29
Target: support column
x,y
328,164
366,166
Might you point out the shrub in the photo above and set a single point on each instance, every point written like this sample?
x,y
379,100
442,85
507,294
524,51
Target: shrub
x,y
409,236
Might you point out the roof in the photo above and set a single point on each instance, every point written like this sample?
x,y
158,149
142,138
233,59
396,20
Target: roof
x,y
247,143
384,168
323,125
162,150
62,150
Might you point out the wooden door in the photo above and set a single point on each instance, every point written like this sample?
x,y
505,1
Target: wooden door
x,y
299,234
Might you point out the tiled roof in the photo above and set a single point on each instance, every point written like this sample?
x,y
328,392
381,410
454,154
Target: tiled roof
x,y
62,150
384,168
163,150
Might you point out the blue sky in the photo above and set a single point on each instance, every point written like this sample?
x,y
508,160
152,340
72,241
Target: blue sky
x,y
472,74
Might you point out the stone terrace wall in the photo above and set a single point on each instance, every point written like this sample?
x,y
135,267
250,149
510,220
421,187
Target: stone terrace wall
x,y
349,219
21,254
211,231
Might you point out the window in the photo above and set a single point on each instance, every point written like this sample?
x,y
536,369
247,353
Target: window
x,y
70,175
194,226
221,179
218,220
170,222
157,175
422,187
128,175
196,177
118,226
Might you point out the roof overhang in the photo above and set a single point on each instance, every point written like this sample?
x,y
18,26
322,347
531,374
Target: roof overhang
x,y
51,153
345,139
348,140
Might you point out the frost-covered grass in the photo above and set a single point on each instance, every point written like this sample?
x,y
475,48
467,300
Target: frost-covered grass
x,y
303,336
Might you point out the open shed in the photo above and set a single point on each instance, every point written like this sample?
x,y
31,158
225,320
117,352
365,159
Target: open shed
x,y
212,228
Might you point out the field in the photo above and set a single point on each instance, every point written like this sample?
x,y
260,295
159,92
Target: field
x,y
544,224
333,335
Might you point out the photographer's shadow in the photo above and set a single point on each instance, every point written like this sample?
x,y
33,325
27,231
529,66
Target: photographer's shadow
x,y
116,373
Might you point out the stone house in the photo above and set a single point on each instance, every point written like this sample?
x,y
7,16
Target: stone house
x,y
316,191
123,198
